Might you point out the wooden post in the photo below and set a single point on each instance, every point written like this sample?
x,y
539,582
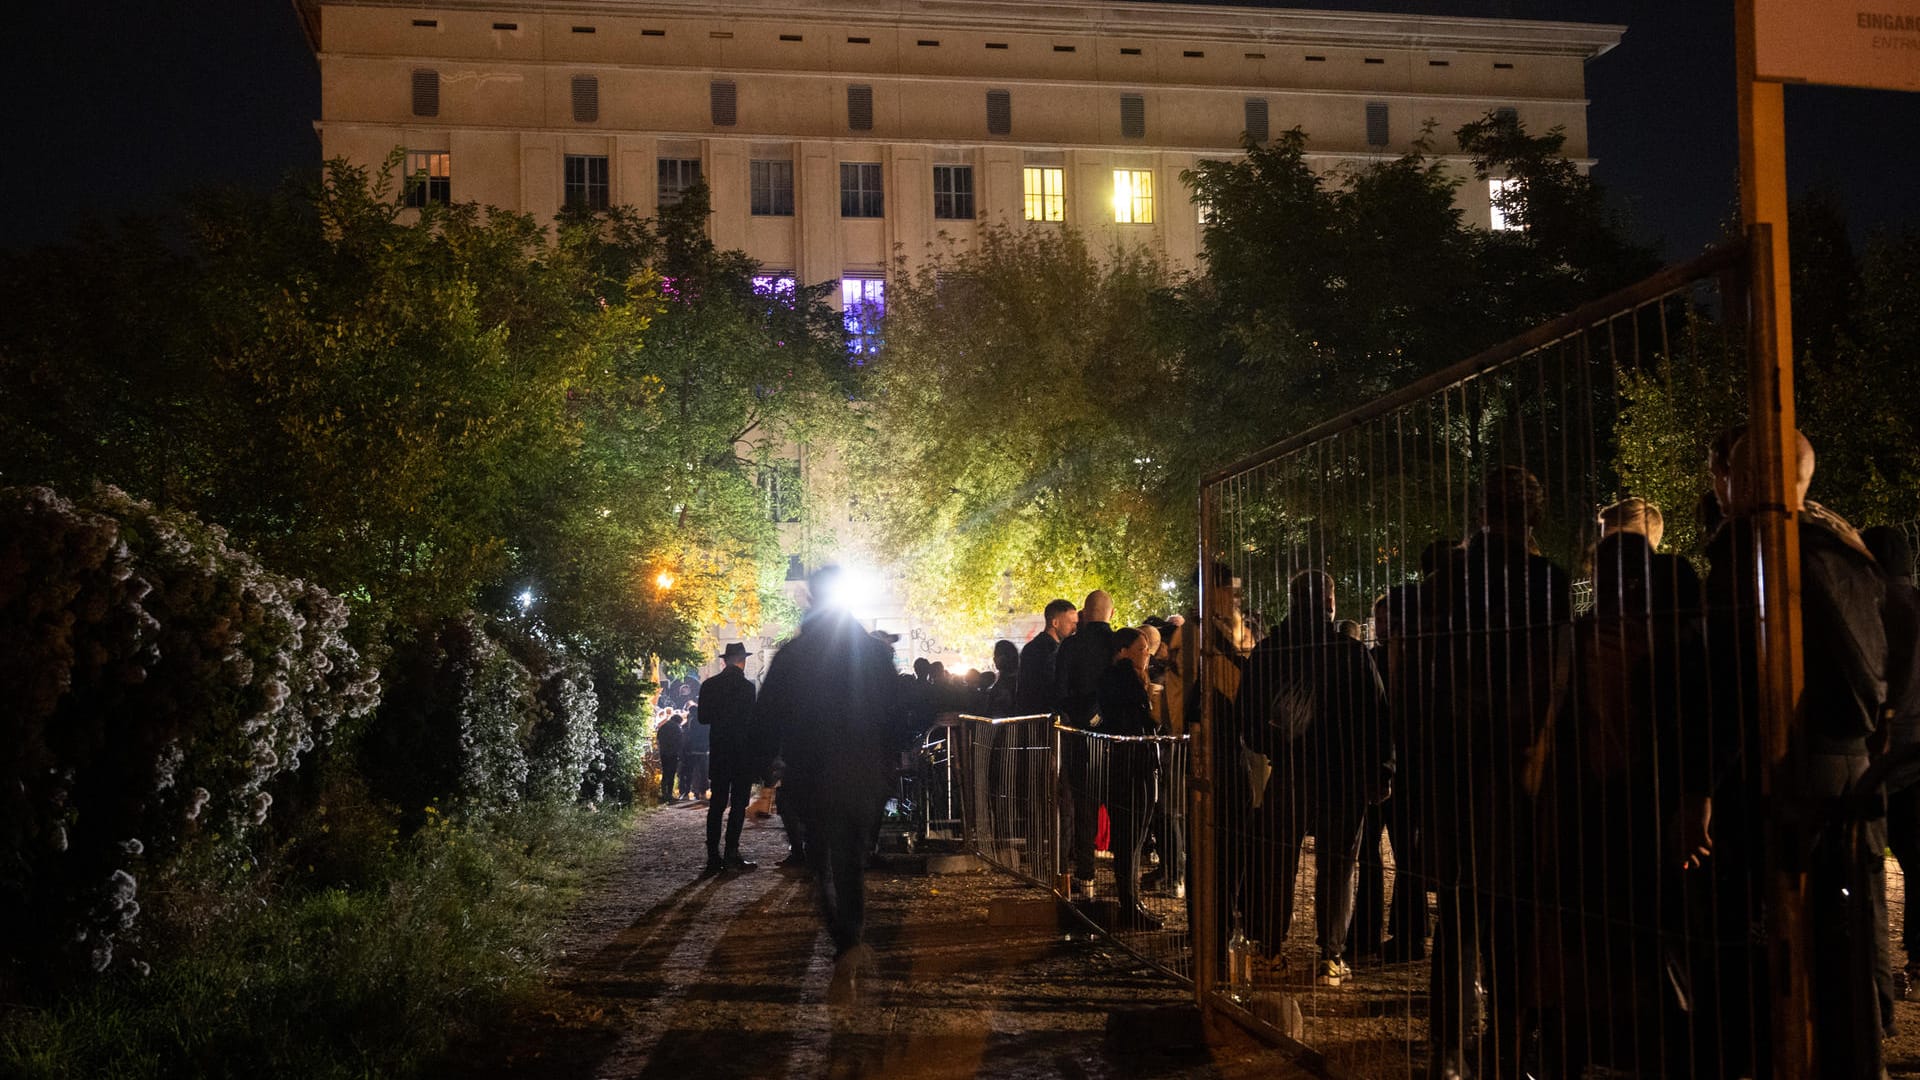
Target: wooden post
x,y
1773,455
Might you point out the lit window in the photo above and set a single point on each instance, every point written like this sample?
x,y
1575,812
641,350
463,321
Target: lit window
x,y
586,182
860,194
1504,196
677,175
1133,196
772,188
774,284
953,192
1046,194
863,301
429,177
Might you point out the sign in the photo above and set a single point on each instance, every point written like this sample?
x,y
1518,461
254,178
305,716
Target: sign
x,y
1869,43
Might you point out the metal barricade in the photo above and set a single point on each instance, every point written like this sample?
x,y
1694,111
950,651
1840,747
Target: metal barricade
x,y
1008,784
1497,781
1132,789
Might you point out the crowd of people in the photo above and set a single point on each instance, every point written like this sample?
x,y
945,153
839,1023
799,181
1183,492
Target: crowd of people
x,y
1585,795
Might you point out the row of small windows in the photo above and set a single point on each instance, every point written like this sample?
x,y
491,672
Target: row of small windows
x,y
724,107
934,43
586,184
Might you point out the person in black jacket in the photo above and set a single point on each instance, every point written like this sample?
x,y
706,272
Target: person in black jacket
x,y
669,737
830,697
1129,768
738,756
1843,596
1083,659
1313,704
1895,556
1035,691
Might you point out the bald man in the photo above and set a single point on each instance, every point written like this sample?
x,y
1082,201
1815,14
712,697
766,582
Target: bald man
x,y
1722,813
1083,659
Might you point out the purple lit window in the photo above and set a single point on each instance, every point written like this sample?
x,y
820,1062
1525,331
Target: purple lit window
x,y
781,285
863,301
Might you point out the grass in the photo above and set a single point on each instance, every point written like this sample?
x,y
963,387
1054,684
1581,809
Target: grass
x,y
337,983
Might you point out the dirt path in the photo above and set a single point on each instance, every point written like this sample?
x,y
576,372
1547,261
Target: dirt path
x,y
668,975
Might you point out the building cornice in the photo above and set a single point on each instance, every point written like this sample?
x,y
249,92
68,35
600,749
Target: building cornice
x,y
1105,18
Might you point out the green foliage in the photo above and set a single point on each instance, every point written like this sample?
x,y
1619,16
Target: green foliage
x,y
339,982
1012,426
157,683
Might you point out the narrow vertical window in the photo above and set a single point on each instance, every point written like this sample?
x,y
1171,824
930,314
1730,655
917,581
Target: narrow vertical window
x,y
1377,123
860,108
1045,192
426,92
677,176
953,192
1133,196
725,99
860,194
586,99
1503,195
1133,116
771,184
429,178
584,182
1256,127
999,112
863,302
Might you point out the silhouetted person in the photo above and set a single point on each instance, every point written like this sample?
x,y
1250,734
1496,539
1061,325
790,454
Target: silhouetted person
x,y
1083,659
1895,556
1002,685
1037,691
694,754
1126,711
738,756
1312,703
829,695
669,737
1500,615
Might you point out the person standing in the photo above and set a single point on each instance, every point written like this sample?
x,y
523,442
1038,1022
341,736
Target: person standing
x,y
669,737
695,746
1126,711
1084,658
737,758
1034,688
1895,556
830,697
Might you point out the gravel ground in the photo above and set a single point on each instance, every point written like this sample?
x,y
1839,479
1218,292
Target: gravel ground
x,y
669,975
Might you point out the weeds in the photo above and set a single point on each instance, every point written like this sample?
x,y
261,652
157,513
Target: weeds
x,y
335,982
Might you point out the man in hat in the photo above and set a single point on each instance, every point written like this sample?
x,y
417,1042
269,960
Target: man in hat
x,y
740,755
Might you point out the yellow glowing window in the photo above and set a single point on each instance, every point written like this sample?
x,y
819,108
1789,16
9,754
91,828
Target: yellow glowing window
x,y
1133,196
1046,191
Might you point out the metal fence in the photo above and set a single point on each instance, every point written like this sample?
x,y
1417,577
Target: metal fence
x,y
1467,844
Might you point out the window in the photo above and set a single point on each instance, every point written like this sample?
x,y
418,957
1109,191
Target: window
x,y
677,175
1133,196
1256,127
780,487
585,181
953,192
1377,123
771,188
586,99
1133,116
1503,194
429,177
426,93
863,301
1046,193
860,108
724,102
999,112
860,194
775,283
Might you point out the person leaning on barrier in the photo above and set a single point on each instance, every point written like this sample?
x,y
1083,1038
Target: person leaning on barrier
x,y
1499,620
1895,556
1126,711
1313,705
1842,601
1083,659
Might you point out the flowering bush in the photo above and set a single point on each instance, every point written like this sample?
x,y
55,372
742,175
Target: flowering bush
x,y
565,740
154,681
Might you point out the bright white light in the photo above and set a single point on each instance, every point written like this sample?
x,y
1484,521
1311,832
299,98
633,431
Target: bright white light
x,y
857,589
1167,585
525,598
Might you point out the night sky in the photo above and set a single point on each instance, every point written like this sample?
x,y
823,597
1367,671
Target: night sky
x,y
122,108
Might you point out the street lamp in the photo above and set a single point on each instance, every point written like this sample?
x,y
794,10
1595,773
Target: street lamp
x,y
664,580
